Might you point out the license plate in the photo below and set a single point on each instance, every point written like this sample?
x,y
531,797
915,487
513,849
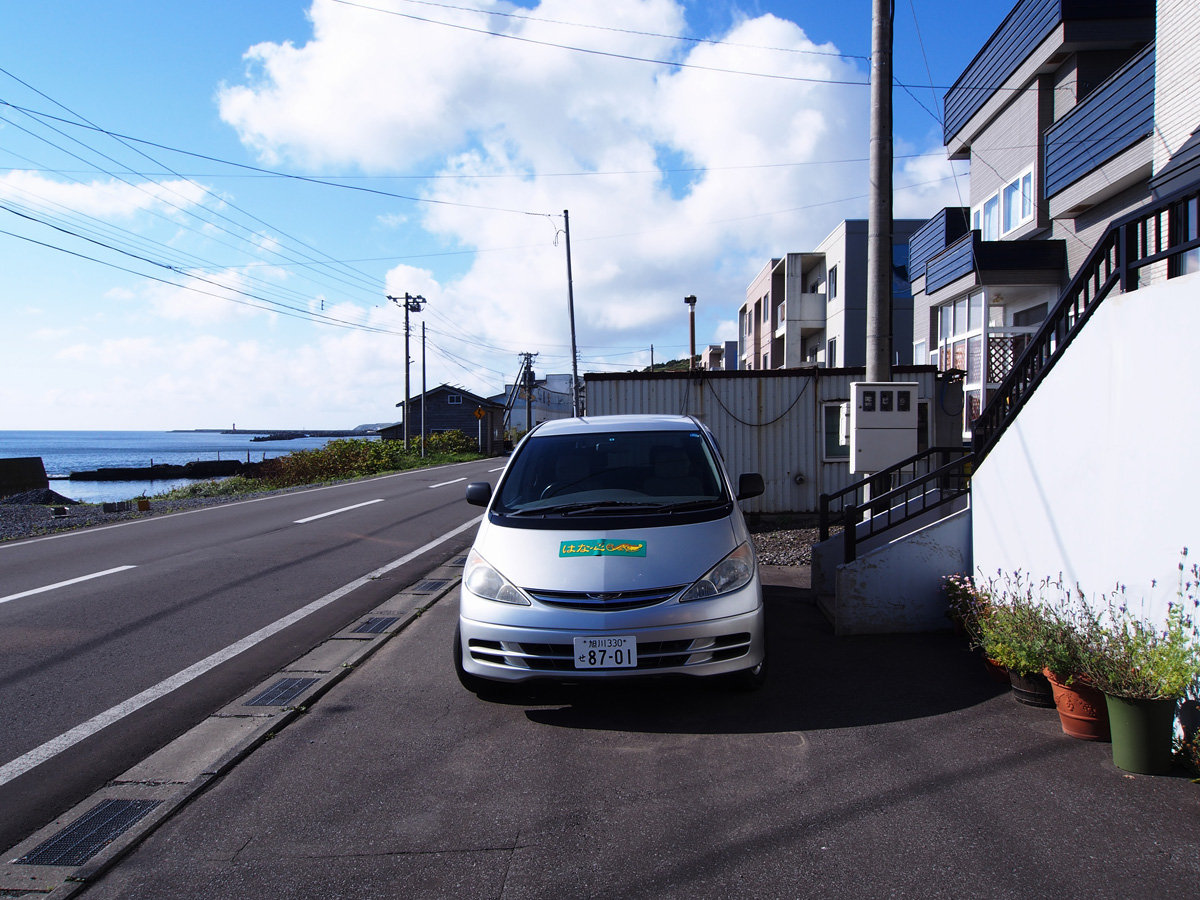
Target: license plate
x,y
606,652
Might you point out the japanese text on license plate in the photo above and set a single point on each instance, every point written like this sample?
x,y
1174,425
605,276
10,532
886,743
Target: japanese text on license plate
x,y
607,652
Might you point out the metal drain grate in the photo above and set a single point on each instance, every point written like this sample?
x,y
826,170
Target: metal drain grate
x,y
430,585
282,692
459,561
89,834
376,625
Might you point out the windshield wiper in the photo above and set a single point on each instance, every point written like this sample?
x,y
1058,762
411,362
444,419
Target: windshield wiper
x,y
709,503
569,509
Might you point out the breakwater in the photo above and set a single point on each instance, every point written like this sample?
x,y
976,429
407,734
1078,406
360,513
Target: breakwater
x,y
212,468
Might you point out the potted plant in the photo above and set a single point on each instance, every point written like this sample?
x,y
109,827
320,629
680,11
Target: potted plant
x,y
1012,633
965,606
1144,670
1082,709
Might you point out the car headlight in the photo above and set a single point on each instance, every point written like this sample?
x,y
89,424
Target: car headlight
x,y
482,580
731,573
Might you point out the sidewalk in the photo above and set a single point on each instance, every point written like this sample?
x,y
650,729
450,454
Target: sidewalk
x,y
867,767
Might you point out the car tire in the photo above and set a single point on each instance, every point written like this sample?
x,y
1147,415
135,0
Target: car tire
x,y
749,680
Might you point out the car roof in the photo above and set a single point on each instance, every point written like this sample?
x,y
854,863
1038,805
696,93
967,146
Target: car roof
x,y
598,424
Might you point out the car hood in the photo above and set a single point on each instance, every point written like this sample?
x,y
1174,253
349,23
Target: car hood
x,y
620,559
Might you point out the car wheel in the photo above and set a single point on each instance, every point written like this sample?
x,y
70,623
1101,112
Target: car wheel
x,y
472,683
751,679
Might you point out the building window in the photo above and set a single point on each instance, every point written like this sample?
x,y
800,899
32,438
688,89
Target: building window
x,y
831,353
1035,315
766,301
919,353
1189,262
960,345
831,428
1006,210
766,362
832,283
454,399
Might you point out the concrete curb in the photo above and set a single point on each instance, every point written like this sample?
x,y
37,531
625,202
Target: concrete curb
x,y
180,771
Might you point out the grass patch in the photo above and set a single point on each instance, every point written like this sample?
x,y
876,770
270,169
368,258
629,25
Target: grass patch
x,y
338,460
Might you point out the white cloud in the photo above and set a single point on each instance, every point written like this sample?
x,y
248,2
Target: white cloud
x,y
492,107
528,131
102,198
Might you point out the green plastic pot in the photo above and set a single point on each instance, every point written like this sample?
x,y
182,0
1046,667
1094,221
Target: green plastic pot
x,y
1142,732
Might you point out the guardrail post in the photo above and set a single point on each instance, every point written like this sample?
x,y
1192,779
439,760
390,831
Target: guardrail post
x,y
849,532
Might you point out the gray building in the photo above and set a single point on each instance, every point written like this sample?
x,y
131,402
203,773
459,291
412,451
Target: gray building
x,y
811,308
1057,116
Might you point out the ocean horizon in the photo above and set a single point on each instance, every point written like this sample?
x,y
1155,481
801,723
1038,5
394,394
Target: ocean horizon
x,y
64,452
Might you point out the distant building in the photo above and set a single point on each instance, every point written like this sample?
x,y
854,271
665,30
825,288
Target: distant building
x,y
550,398
811,308
720,357
450,408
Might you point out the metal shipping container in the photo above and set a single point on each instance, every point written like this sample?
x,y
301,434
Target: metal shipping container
x,y
771,422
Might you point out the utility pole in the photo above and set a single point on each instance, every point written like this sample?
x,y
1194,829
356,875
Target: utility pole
x,y
410,304
529,391
423,389
879,202
690,300
571,314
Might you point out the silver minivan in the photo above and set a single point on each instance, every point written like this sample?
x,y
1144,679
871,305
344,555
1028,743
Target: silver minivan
x,y
612,547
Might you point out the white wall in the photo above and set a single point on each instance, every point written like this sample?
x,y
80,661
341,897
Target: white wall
x,y
897,588
1096,478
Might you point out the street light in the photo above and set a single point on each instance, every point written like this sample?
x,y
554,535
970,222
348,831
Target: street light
x,y
410,304
690,300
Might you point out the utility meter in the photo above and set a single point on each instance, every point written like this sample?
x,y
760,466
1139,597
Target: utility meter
x,y
883,424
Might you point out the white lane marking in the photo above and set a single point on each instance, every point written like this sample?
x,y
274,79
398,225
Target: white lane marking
x,y
51,587
444,483
334,512
55,746
501,469
407,473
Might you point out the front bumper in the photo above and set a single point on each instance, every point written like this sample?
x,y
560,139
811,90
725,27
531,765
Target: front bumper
x,y
514,653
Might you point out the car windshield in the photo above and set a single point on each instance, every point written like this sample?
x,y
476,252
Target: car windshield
x,y
612,473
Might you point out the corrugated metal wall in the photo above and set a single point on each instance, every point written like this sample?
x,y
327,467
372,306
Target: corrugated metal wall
x,y
766,422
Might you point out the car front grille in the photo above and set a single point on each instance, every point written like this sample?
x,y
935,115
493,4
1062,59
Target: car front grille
x,y
651,655
605,602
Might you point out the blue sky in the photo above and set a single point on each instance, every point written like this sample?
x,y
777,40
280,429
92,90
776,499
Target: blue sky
x,y
203,205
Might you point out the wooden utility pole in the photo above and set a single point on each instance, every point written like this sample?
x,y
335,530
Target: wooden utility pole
x,y
571,314
410,304
879,202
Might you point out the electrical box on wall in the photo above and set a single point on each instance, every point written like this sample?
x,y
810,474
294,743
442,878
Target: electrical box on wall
x,y
883,424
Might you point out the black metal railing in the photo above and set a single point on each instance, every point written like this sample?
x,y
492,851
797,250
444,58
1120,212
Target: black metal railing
x,y
896,495
1156,233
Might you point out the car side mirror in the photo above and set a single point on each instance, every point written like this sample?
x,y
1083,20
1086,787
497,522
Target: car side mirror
x,y
750,484
479,493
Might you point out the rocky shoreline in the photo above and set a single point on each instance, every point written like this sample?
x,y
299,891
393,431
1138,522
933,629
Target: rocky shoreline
x,y
778,541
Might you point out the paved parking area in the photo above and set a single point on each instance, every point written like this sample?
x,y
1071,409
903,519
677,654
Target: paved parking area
x,y
868,767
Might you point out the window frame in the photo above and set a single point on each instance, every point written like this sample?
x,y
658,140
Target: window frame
x,y
826,407
1021,188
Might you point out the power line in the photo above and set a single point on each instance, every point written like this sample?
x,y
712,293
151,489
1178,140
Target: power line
x,y
604,53
669,37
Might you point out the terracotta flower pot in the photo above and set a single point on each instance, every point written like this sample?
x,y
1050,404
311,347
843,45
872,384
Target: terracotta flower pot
x,y
1081,709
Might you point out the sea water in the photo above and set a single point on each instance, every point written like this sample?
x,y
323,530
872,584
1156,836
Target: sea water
x,y
64,452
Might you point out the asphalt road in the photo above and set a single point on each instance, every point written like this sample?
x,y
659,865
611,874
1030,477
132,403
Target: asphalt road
x,y
113,641
875,767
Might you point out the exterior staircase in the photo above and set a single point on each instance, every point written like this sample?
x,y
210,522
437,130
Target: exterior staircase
x,y
905,528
